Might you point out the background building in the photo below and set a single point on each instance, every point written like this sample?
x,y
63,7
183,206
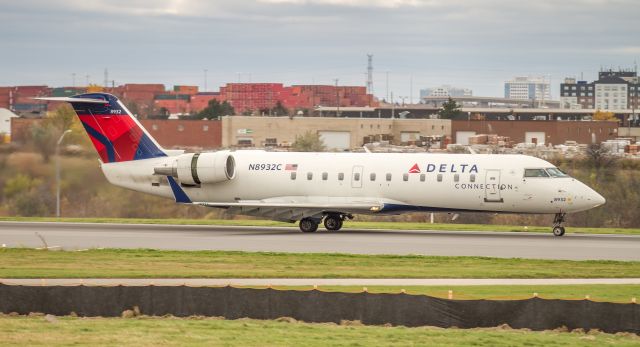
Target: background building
x,y
445,90
614,90
336,133
539,132
528,88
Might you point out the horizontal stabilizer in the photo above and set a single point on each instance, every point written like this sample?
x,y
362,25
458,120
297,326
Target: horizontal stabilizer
x,y
68,99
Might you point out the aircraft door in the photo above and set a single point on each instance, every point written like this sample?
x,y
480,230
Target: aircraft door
x,y
356,177
492,186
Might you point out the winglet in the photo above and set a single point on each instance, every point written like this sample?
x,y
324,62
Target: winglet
x,y
178,193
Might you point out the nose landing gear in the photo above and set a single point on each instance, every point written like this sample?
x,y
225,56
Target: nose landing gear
x,y
558,228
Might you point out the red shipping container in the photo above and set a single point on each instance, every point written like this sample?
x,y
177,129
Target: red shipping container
x,y
31,90
186,89
148,88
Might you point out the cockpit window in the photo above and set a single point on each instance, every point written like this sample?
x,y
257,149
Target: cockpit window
x,y
535,173
555,172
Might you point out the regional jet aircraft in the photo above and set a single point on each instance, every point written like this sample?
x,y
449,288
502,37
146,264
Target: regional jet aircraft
x,y
325,187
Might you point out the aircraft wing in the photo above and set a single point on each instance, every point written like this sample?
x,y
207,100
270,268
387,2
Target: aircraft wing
x,y
290,208
294,208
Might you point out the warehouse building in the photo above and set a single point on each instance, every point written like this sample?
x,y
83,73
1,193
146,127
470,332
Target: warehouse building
x,y
336,133
539,132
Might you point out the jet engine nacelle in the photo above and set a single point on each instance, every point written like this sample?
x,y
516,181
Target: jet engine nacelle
x,y
198,168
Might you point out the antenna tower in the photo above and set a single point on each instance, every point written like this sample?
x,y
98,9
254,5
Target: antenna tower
x,y
370,74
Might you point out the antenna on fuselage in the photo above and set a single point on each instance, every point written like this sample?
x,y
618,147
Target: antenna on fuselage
x,y
366,149
471,150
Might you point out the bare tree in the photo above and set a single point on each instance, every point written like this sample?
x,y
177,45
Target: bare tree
x,y
600,156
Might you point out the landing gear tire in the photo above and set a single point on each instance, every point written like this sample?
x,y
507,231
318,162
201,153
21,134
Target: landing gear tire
x,y
333,222
558,231
308,225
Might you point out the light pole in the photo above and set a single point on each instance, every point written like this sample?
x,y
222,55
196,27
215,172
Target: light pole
x,y
205,79
58,171
337,98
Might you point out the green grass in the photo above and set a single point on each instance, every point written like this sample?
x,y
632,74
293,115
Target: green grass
x,y
144,263
347,225
621,293
152,331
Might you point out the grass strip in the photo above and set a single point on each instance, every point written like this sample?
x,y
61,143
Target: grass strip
x,y
347,225
146,263
619,293
169,331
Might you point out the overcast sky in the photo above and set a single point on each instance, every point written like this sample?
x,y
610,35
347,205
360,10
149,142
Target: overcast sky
x,y
466,43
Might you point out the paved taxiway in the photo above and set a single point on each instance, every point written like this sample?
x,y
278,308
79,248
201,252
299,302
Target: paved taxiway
x,y
278,239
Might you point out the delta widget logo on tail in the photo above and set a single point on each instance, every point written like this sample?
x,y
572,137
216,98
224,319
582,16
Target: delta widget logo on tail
x,y
414,169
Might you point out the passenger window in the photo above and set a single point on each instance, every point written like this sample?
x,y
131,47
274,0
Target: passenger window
x,y
439,177
372,176
325,176
535,173
472,178
456,177
422,177
293,175
309,176
388,177
341,176
405,177
356,176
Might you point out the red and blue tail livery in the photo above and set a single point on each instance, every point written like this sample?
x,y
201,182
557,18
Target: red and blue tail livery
x,y
116,135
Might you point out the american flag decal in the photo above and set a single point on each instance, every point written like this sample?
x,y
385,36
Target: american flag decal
x,y
291,167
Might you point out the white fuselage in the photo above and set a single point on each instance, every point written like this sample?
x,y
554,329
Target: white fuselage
x,y
440,182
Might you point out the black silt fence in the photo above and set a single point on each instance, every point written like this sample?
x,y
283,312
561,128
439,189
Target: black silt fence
x,y
318,306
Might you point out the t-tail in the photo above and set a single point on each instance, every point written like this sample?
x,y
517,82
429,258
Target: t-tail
x,y
116,135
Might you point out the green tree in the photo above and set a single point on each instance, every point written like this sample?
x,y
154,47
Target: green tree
x,y
308,142
19,184
27,196
216,109
279,110
450,109
46,133
133,107
44,137
163,113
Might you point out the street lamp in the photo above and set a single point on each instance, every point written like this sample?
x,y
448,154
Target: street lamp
x,y
58,171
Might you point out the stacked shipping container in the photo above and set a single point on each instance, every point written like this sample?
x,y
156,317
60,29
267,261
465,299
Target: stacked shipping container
x,y
200,101
182,99
141,93
22,98
253,96
5,97
258,96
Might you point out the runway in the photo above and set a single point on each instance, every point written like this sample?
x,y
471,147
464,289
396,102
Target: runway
x,y
72,236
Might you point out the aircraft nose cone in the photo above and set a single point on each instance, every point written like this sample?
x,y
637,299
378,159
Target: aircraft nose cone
x,y
598,199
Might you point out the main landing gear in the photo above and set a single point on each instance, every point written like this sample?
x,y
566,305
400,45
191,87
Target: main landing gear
x,y
309,225
558,229
332,222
